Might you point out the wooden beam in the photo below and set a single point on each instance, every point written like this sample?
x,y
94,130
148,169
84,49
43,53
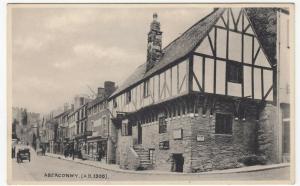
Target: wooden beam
x,y
203,73
215,61
190,73
177,79
262,82
165,79
222,18
252,69
235,31
227,46
233,19
211,45
196,79
242,57
184,79
171,85
256,54
230,61
238,19
268,92
245,30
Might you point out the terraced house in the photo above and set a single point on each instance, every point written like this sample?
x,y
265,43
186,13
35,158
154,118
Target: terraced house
x,y
100,146
202,102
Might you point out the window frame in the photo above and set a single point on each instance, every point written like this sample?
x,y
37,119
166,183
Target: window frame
x,y
128,97
162,126
126,128
238,71
146,91
152,155
227,122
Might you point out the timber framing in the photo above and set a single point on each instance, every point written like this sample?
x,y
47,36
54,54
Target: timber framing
x,y
178,78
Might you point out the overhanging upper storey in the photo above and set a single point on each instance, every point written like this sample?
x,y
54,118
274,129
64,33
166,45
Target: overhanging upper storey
x,y
221,54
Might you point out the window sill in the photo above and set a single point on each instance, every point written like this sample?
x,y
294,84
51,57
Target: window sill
x,y
236,82
229,135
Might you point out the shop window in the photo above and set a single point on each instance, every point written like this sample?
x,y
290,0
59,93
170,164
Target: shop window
x,y
234,72
162,124
223,124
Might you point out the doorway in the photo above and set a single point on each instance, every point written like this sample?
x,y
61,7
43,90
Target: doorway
x,y
178,161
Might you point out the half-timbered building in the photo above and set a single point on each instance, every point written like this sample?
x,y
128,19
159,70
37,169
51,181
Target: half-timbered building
x,y
196,105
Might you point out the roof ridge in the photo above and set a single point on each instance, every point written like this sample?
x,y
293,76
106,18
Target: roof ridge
x,y
191,27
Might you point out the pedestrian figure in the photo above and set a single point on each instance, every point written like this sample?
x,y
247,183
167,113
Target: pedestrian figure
x,y
100,154
43,151
66,153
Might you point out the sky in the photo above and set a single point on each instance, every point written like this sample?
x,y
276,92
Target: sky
x,y
57,52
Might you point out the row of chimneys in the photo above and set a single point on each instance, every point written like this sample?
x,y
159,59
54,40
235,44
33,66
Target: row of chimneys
x,y
109,88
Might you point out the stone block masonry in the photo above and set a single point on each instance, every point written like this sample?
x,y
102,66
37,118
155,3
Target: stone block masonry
x,y
200,146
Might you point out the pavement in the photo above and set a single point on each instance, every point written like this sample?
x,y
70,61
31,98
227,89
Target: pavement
x,y
51,169
116,168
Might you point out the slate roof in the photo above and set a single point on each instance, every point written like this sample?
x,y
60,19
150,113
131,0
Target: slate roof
x,y
176,50
180,48
263,21
96,101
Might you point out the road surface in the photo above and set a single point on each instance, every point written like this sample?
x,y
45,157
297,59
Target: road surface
x,y
44,168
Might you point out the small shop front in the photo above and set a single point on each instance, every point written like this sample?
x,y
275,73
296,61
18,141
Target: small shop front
x,y
96,149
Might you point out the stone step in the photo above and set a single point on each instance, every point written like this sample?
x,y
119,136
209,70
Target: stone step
x,y
145,161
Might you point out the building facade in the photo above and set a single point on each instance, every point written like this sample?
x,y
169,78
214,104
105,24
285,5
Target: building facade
x,y
62,130
101,144
201,103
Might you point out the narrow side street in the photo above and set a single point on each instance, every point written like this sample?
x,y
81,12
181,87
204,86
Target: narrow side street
x,y
43,168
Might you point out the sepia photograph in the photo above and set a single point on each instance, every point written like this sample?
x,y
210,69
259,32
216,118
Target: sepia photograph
x,y
150,94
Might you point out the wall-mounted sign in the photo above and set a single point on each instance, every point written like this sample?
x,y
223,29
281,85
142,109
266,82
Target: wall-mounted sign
x,y
200,137
177,134
164,145
124,121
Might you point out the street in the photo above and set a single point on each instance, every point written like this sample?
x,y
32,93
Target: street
x,y
43,168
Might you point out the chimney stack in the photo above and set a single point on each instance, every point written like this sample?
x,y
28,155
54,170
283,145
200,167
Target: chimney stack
x,y
154,48
109,87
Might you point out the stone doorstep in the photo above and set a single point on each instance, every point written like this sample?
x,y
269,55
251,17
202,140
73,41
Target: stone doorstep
x,y
115,167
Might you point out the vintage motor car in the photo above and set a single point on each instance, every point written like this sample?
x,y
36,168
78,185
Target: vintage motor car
x,y
23,154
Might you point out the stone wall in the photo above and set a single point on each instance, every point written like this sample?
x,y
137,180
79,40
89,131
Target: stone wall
x,y
163,157
222,151
268,134
249,137
124,143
